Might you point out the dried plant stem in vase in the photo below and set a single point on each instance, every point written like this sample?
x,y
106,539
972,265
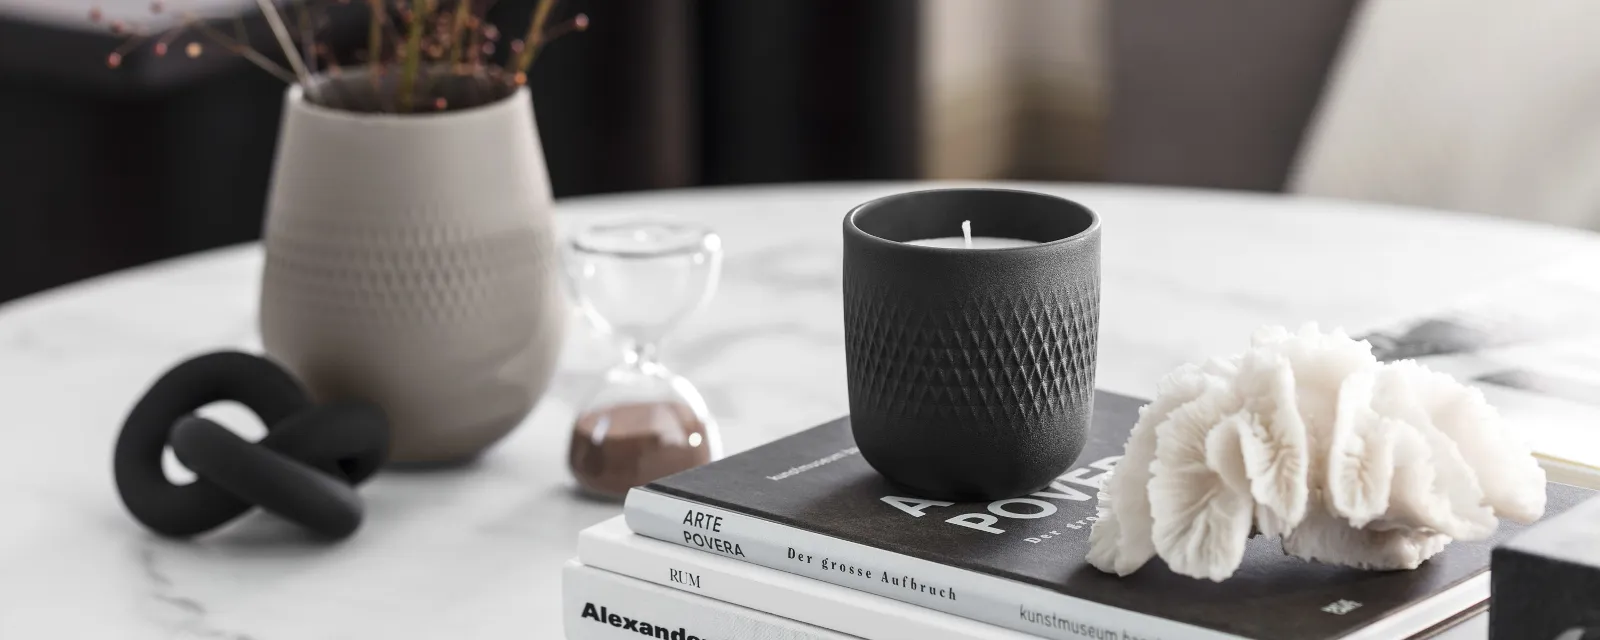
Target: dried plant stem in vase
x,y
414,48
411,252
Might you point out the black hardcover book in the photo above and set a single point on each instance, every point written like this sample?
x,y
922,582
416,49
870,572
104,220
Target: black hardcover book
x,y
808,504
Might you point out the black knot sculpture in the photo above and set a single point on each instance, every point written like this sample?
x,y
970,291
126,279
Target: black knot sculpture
x,y
304,470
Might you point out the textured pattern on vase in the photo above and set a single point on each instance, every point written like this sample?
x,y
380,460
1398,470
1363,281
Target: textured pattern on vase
x,y
410,271
452,328
990,359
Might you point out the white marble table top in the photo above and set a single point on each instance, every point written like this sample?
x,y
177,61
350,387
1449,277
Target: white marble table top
x,y
475,552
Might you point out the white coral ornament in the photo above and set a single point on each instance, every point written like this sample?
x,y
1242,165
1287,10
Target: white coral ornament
x,y
1307,436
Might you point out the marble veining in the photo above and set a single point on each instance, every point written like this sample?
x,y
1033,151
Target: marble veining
x,y
475,551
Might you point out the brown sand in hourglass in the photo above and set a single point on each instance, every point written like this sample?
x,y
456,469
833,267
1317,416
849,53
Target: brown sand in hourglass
x,y
623,446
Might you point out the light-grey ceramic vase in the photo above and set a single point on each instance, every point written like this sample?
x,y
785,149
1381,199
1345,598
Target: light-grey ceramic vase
x,y
411,260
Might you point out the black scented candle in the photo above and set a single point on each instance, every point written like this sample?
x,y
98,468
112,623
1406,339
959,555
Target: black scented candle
x,y
971,370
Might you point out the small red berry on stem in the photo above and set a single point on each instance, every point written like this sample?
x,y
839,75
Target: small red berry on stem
x,y
114,60
161,49
95,15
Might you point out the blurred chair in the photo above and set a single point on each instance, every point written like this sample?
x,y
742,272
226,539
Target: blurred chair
x,y
1471,105
1204,94
1215,93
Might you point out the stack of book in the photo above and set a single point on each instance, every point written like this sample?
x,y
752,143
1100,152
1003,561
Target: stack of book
x,y
801,539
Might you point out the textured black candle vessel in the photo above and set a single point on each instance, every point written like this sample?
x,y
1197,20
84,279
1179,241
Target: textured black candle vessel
x,y
971,371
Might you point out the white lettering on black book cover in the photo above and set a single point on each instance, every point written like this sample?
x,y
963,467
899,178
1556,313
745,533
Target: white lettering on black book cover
x,y
814,480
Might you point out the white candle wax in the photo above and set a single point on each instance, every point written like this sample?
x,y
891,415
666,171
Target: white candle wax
x,y
966,241
979,242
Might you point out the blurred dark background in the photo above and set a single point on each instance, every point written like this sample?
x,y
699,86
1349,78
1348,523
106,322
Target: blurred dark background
x,y
102,169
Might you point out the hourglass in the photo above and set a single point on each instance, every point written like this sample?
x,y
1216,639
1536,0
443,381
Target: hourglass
x,y
636,280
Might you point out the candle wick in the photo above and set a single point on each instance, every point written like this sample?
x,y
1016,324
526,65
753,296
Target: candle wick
x,y
966,232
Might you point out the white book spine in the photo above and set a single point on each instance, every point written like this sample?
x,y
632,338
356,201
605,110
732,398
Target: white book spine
x,y
611,546
600,605
976,596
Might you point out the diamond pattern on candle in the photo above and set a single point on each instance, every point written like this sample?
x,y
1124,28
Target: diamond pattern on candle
x,y
989,358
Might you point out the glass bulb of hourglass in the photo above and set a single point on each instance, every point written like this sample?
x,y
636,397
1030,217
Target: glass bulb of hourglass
x,y
636,281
